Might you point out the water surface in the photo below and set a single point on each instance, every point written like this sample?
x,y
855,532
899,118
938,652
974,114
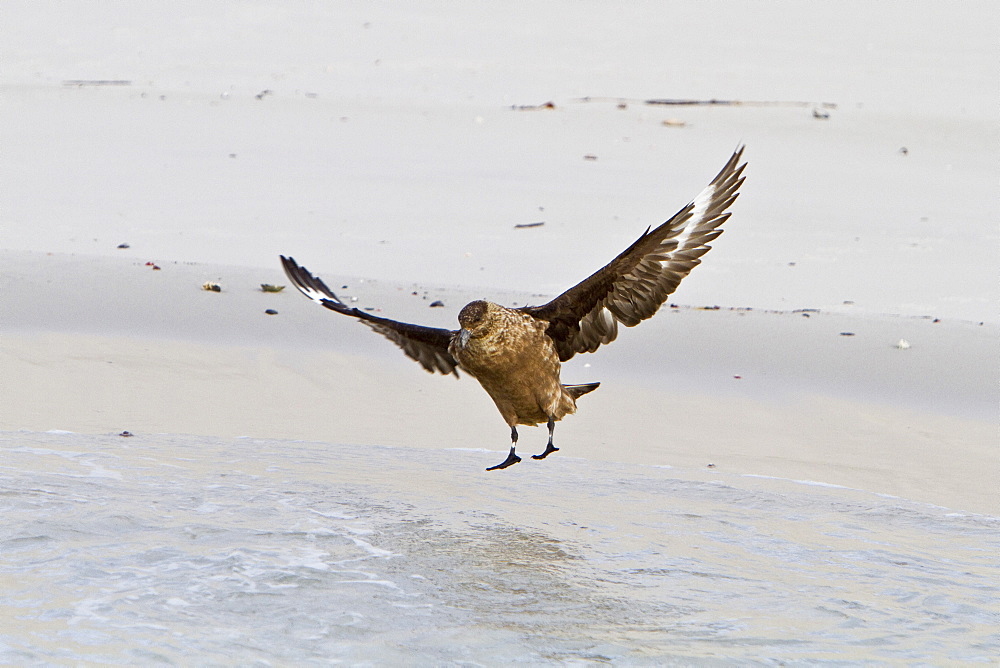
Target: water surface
x,y
180,549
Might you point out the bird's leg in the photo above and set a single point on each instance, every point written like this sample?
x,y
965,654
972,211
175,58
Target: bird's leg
x,y
511,457
549,448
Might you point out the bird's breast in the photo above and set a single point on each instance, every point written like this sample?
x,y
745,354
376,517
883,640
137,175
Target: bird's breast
x,y
516,344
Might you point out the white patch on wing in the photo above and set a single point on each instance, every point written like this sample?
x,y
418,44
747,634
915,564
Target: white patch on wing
x,y
701,203
313,294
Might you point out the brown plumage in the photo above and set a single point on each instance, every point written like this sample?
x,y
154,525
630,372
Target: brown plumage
x,y
516,354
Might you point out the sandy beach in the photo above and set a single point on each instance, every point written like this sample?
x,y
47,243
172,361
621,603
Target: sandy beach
x,y
842,333
695,386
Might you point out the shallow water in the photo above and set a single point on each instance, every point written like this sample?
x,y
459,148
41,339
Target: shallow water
x,y
181,549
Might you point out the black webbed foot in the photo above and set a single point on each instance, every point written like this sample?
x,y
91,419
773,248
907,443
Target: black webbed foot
x,y
549,449
510,461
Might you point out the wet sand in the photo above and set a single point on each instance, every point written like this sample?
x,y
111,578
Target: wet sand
x,y
783,394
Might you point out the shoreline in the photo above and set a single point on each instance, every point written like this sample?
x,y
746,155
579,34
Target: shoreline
x,y
101,345
363,391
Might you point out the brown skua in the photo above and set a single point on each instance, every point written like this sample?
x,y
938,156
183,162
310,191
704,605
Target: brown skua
x,y
516,354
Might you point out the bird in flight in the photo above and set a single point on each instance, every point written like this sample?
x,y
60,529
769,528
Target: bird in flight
x,y
516,353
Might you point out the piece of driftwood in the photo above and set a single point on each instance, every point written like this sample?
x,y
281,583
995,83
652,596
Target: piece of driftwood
x,y
737,103
97,82
686,102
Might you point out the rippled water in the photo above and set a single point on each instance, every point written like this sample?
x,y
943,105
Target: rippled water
x,y
181,549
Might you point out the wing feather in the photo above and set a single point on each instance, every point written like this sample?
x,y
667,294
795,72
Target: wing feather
x,y
426,345
634,285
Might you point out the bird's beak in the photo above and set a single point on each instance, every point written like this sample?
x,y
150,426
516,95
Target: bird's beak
x,y
463,337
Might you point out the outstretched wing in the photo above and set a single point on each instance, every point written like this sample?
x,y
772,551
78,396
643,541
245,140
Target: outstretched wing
x,y
427,345
634,285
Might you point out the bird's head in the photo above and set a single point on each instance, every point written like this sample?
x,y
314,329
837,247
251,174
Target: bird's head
x,y
475,319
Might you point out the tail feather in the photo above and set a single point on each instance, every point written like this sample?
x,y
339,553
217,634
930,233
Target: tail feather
x,y
577,391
